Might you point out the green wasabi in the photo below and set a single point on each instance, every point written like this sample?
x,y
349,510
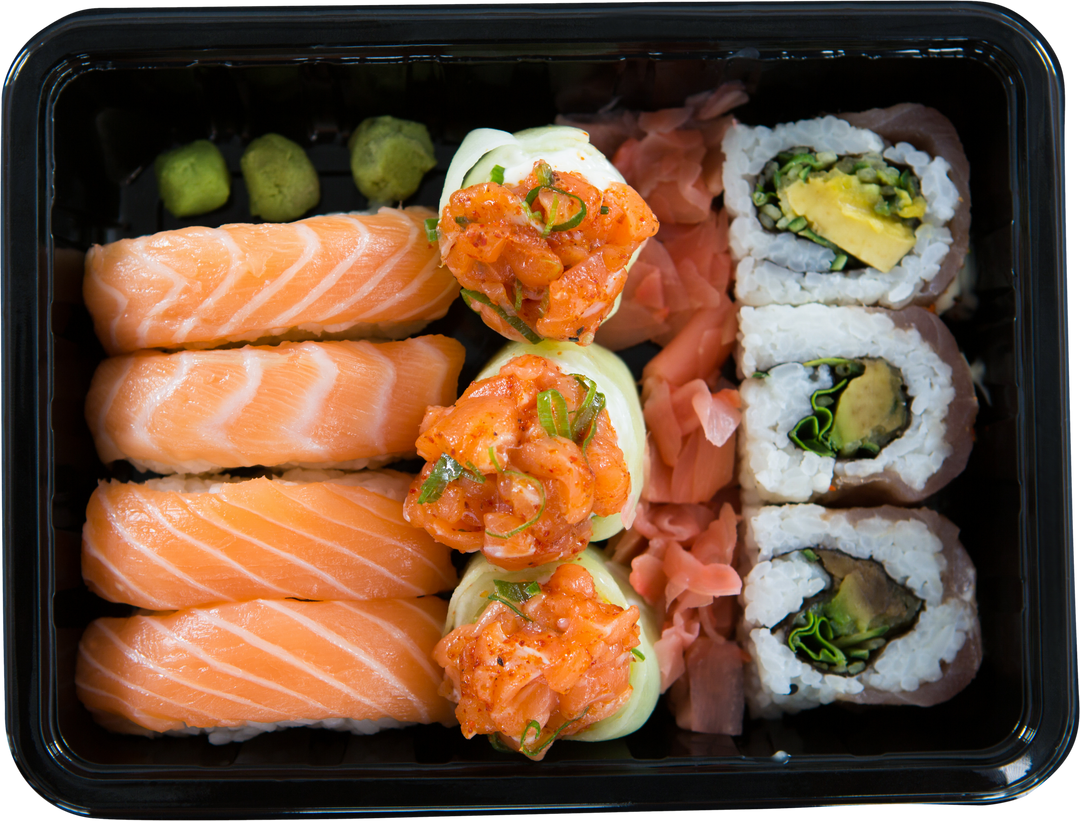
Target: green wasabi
x,y
192,179
281,181
389,157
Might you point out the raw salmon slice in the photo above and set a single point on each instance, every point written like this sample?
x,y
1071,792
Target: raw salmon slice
x,y
308,404
344,275
235,670
173,543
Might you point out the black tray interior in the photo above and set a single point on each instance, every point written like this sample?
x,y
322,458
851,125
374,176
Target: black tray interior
x,y
110,125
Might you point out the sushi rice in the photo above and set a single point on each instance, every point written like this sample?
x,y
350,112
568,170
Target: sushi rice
x,y
784,268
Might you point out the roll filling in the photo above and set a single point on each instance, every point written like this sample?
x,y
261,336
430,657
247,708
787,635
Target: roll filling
x,y
868,605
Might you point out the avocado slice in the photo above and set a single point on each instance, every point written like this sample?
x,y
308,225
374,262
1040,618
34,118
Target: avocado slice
x,y
871,411
856,615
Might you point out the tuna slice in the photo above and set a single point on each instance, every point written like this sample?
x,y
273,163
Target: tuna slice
x,y
312,404
339,276
236,670
172,543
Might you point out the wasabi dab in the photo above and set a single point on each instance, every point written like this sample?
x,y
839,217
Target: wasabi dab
x,y
192,179
389,158
281,181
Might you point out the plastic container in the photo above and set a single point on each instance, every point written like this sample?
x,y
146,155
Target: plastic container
x,y
98,95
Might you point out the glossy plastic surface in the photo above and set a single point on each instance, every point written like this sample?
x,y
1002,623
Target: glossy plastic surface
x,y
98,95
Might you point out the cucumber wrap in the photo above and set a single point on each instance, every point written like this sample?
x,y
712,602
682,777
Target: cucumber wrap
x,y
614,380
613,586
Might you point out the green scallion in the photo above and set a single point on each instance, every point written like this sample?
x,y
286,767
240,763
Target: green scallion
x,y
432,227
514,322
516,591
551,409
445,470
497,174
586,415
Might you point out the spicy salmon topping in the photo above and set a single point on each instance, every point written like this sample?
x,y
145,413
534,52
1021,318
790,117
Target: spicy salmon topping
x,y
543,661
518,465
544,258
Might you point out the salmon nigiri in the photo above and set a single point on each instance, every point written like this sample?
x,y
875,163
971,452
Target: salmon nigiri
x,y
236,670
343,275
182,542
307,404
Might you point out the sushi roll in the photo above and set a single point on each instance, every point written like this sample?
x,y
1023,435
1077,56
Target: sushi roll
x,y
539,228
345,405
850,405
562,651
870,213
542,454
233,671
341,276
186,541
871,606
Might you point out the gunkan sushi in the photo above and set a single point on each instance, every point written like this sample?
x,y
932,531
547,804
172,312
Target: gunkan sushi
x,y
539,228
542,454
558,651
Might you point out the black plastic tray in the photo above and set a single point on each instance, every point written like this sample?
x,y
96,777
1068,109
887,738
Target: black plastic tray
x,y
97,95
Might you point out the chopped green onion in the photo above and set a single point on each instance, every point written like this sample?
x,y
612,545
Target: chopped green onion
x,y
519,295
516,591
810,555
538,729
575,220
551,408
545,175
473,474
462,221
497,744
432,227
637,654
443,473
497,174
514,322
838,263
797,225
501,600
549,224
588,412
605,210
760,374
